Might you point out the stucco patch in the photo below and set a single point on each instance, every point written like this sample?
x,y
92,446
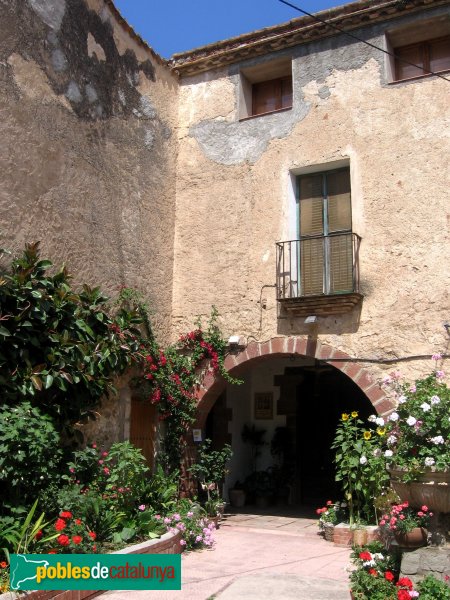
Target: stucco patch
x,y
50,11
95,49
32,81
245,141
73,92
59,61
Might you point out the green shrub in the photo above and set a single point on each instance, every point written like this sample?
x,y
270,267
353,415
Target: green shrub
x,y
30,456
431,588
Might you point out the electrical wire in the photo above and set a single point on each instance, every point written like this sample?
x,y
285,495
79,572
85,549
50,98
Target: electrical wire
x,y
355,37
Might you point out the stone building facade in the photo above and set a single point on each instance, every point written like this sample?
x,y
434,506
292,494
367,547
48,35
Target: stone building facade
x,y
295,177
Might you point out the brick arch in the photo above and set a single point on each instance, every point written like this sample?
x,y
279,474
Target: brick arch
x,y
257,352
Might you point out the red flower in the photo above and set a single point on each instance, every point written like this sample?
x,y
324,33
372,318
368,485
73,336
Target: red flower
x,y
373,572
389,576
60,524
92,535
78,521
405,582
38,535
66,515
106,471
63,540
77,539
329,503
403,595
3,565
365,556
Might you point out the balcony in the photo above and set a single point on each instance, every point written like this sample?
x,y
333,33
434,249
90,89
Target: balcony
x,y
319,275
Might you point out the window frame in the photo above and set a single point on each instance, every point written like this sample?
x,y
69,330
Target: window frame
x,y
325,235
425,56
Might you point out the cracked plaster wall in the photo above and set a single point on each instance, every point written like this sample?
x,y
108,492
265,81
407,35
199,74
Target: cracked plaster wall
x,y
88,150
235,198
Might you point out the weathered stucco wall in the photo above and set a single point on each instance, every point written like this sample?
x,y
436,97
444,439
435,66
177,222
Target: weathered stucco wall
x,y
87,120
235,198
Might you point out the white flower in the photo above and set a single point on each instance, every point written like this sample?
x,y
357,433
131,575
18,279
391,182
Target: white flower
x,y
402,399
429,462
369,563
386,379
425,407
379,421
363,460
435,399
391,440
377,452
372,418
438,440
412,388
388,453
411,421
393,417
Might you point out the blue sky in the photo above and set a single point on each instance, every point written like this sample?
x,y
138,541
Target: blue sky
x,y
179,25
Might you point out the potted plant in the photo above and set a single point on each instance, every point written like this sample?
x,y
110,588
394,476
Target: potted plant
x,y
261,486
237,495
406,525
329,515
418,441
210,470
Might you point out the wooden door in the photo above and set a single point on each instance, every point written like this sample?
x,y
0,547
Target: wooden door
x,y
143,420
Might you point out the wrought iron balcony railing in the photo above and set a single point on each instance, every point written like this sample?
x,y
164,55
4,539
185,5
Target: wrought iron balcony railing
x,y
315,267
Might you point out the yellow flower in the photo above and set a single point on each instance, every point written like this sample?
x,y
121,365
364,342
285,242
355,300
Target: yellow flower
x,y
344,416
381,430
354,414
367,435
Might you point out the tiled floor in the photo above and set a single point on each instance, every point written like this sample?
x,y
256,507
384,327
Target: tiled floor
x,y
260,545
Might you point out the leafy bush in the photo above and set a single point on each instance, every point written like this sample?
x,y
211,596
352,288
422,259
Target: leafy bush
x,y
73,536
60,348
161,491
431,588
30,456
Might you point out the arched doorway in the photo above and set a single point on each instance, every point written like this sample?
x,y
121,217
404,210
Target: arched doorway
x,y
298,396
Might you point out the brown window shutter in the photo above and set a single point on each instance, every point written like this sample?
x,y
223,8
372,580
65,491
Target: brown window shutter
x,y
312,266
412,54
340,263
311,205
339,202
439,52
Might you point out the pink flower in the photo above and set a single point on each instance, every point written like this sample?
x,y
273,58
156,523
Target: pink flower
x,y
182,542
141,507
424,508
71,470
104,454
100,462
94,445
440,374
413,388
436,356
106,471
157,517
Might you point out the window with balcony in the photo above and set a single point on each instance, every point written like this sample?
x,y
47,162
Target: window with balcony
x,y
318,272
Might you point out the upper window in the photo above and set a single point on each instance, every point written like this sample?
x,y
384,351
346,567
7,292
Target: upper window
x,y
430,55
419,48
272,95
265,88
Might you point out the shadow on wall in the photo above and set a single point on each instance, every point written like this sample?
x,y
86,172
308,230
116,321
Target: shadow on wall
x,y
333,325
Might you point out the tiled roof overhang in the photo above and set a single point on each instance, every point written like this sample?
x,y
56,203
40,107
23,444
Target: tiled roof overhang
x,y
298,31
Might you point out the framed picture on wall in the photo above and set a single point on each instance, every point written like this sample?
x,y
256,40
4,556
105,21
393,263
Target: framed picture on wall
x,y
263,405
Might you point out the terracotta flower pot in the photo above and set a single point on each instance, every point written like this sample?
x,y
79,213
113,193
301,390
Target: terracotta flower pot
x,y
415,538
432,488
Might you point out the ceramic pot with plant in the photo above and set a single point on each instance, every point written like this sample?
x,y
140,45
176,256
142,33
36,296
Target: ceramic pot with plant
x,y
406,525
329,515
418,440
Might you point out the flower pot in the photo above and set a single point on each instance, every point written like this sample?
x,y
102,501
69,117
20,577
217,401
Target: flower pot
x,y
328,531
359,537
431,488
237,498
415,538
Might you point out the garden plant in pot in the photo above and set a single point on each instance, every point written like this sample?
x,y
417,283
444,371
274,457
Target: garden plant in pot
x,y
329,515
261,486
406,525
210,470
418,441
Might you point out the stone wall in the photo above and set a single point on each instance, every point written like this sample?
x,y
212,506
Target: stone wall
x,y
417,564
87,120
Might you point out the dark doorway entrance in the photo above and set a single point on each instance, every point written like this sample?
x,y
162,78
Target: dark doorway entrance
x,y
321,397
